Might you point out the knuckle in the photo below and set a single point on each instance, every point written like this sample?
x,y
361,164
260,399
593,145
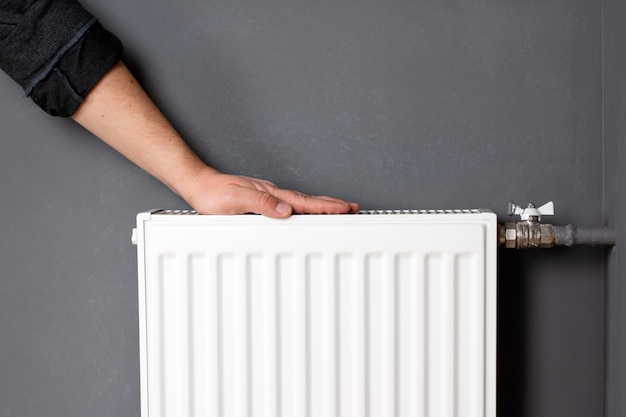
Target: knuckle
x,y
266,199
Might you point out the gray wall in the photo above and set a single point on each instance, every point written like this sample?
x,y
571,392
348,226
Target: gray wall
x,y
392,104
615,154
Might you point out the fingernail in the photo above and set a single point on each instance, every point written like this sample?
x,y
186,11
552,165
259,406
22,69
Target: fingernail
x,y
282,208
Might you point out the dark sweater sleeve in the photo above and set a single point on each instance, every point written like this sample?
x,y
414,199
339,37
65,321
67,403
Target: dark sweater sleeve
x,y
55,50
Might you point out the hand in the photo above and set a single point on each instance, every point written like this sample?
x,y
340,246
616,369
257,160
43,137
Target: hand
x,y
216,193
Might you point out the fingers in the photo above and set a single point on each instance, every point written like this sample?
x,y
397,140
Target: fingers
x,y
303,203
299,202
279,203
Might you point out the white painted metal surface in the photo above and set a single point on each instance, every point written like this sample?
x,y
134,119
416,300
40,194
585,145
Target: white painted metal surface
x,y
318,316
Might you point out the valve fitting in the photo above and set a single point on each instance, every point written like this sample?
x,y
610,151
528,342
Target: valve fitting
x,y
530,233
526,234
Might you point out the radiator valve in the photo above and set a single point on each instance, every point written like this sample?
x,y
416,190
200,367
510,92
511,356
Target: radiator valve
x,y
529,233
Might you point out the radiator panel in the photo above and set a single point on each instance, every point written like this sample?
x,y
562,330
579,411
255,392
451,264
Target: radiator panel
x,y
358,315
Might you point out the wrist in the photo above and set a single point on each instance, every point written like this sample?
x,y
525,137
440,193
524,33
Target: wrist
x,y
192,185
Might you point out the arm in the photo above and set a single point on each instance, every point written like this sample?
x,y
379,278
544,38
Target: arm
x,y
119,112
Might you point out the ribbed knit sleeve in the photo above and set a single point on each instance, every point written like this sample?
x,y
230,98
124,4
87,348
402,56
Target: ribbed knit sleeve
x,y
55,50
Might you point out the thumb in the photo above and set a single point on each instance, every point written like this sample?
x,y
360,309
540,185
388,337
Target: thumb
x,y
264,203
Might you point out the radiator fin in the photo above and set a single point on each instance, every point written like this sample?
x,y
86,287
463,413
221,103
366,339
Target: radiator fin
x,y
325,334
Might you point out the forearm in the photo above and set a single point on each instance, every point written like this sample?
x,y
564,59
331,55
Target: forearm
x,y
119,112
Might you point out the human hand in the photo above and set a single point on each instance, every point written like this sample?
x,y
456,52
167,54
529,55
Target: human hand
x,y
215,193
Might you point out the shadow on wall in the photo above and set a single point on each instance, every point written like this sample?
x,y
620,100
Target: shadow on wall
x,y
510,361
550,315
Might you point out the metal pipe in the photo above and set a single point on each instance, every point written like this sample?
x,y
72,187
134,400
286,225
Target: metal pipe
x,y
571,235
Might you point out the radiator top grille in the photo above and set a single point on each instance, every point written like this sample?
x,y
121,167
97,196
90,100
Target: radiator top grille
x,y
361,212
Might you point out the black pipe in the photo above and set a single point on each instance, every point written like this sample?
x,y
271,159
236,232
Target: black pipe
x,y
571,235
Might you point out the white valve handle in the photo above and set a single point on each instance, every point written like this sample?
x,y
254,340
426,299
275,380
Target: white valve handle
x,y
524,213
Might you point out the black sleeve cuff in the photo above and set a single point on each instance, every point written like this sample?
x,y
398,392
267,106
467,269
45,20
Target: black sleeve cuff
x,y
43,32
56,50
77,72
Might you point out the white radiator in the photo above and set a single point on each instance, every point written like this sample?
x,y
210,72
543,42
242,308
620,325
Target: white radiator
x,y
389,314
